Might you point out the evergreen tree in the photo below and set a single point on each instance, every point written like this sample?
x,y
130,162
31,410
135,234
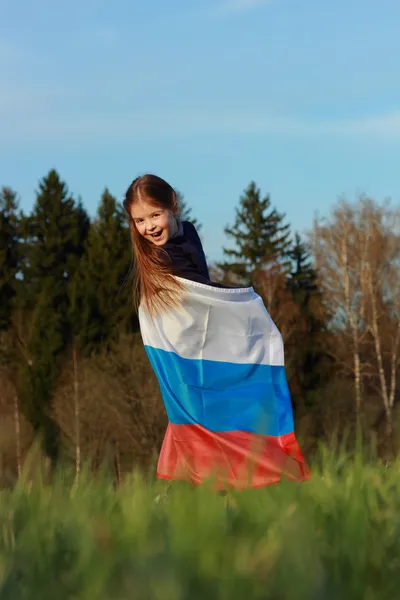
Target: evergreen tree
x,y
303,277
55,234
101,293
185,211
260,236
311,364
9,254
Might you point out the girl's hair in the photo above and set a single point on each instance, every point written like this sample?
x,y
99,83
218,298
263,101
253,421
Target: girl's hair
x,y
153,279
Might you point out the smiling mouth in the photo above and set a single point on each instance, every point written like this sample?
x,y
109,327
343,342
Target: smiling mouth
x,y
156,235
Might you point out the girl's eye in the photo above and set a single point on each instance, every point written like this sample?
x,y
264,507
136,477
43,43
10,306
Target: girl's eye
x,y
156,215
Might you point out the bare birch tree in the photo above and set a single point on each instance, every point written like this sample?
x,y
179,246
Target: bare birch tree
x,y
358,262
118,405
380,242
338,263
15,433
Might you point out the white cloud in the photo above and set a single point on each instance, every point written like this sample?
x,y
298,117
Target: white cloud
x,y
21,102
82,129
385,124
237,6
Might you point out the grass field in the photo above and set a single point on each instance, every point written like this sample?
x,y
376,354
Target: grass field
x,y
335,536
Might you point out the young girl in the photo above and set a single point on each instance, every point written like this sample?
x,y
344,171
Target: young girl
x,y
217,355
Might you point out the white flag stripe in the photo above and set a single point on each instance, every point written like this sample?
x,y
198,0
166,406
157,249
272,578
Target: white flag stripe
x,y
203,328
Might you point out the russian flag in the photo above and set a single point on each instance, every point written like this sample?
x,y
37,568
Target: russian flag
x,y
219,361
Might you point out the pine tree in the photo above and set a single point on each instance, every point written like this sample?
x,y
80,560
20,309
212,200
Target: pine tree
x,y
101,293
260,237
303,277
55,234
310,362
9,254
185,211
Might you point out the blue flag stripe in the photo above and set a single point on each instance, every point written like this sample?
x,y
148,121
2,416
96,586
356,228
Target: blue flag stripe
x,y
223,396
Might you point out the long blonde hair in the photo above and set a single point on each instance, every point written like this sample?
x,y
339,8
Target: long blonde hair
x,y
153,279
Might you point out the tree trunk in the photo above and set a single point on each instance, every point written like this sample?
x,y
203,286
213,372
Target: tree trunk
x,y
117,465
357,381
17,434
354,329
394,361
77,418
379,357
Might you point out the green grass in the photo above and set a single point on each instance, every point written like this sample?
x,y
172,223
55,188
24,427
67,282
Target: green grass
x,y
336,536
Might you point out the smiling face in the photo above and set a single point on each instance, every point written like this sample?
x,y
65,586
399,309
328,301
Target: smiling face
x,y
154,223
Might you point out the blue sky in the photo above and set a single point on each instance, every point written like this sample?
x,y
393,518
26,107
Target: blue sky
x,y
301,96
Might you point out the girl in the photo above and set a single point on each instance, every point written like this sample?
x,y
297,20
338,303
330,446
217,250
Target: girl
x,y
163,246
217,355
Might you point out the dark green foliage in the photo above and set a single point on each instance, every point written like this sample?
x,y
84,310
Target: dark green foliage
x,y
101,292
9,254
55,234
308,345
303,277
259,234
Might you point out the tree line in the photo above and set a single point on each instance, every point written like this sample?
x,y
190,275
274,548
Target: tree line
x,y
73,372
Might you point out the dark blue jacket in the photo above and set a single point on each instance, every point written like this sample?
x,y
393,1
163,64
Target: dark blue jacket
x,y
186,254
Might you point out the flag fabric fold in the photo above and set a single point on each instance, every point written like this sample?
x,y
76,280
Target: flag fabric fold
x,y
219,360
